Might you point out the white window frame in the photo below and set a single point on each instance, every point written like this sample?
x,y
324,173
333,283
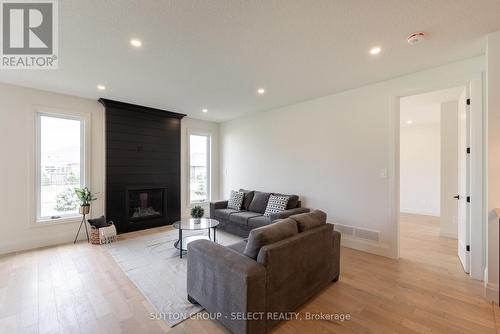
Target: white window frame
x,y
209,166
84,161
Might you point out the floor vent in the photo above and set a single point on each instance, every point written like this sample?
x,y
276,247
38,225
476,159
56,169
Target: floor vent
x,y
345,230
357,232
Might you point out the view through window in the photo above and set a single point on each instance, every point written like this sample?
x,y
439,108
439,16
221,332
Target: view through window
x,y
60,166
199,168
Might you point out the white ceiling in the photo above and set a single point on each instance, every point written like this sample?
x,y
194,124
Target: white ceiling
x,y
214,54
426,108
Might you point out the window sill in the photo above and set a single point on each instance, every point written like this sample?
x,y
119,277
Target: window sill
x,y
58,221
192,204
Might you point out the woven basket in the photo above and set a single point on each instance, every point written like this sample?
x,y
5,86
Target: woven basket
x,y
94,234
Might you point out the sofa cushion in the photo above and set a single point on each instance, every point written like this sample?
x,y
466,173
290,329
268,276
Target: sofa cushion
x,y
293,201
260,221
259,202
242,217
224,213
247,199
239,246
235,200
306,221
276,204
269,234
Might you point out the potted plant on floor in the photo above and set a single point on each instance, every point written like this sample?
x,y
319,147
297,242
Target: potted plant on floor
x,y
85,196
197,212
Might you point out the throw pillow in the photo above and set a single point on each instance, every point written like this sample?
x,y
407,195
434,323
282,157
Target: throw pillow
x,y
266,235
276,204
259,202
98,222
235,200
247,199
293,201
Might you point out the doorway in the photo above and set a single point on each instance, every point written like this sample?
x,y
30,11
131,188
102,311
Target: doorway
x,y
434,178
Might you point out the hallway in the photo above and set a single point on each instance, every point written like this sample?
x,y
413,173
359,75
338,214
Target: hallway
x,y
420,242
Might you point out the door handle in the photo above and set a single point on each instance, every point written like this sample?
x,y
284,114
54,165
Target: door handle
x,y
456,196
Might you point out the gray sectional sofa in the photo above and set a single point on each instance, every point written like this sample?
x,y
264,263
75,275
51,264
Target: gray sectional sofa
x,y
251,214
249,285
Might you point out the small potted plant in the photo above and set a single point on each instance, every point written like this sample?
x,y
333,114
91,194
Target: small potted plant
x,y
197,212
85,196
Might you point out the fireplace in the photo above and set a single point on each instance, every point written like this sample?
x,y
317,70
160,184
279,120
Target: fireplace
x,y
143,166
144,204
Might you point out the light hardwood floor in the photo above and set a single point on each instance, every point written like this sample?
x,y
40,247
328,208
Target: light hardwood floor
x,y
80,289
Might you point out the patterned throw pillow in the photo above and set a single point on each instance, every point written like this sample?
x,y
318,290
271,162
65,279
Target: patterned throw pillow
x,y
235,200
276,204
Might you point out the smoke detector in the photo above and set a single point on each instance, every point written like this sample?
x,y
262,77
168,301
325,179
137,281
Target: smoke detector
x,y
416,38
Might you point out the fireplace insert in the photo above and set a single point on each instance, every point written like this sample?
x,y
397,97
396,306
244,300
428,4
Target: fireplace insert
x,y
145,203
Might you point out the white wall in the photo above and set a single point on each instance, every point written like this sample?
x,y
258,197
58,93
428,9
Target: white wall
x,y
333,150
420,173
449,169
190,124
493,129
17,146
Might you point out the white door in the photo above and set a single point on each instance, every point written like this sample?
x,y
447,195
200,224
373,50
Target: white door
x,y
463,182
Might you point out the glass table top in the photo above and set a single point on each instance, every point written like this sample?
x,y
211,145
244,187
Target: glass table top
x,y
195,224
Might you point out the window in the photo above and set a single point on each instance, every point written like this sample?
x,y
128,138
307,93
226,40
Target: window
x,y
199,168
60,165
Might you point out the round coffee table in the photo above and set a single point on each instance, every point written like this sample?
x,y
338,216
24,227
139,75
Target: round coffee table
x,y
193,224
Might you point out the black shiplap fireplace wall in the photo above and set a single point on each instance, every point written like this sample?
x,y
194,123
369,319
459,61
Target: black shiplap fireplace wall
x,y
143,151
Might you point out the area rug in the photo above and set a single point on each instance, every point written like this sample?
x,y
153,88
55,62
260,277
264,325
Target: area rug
x,y
153,265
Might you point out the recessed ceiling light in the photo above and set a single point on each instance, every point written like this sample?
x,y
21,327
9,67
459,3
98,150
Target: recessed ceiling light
x,y
375,50
204,110
409,122
135,42
261,91
101,87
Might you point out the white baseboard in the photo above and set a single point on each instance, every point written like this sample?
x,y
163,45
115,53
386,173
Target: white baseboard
x,y
367,246
491,292
419,212
33,243
447,234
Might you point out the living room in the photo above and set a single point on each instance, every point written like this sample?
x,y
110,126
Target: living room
x,y
237,167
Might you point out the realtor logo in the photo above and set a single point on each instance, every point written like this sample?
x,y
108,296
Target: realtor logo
x,y
29,34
